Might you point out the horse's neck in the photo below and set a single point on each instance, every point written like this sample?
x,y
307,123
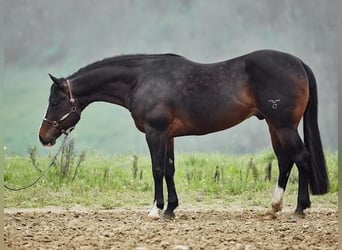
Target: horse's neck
x,y
109,84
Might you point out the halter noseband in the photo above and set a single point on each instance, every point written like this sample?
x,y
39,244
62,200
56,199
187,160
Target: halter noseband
x,y
56,123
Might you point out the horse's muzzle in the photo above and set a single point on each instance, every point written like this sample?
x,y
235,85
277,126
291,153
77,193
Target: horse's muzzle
x,y
48,142
48,134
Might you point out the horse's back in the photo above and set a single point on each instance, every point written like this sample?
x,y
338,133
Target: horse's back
x,y
194,98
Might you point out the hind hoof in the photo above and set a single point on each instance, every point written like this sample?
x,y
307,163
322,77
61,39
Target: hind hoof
x,y
270,215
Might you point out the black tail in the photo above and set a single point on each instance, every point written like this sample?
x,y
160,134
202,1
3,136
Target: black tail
x,y
318,177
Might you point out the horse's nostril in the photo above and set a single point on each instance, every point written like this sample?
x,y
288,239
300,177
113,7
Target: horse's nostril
x,y
43,141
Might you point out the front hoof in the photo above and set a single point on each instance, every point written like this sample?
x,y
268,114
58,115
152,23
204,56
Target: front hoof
x,y
298,215
154,213
153,216
168,216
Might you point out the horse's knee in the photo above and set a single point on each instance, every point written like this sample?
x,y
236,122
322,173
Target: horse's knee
x,y
158,174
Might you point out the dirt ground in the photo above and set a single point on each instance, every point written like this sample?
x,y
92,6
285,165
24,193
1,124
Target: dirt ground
x,y
202,227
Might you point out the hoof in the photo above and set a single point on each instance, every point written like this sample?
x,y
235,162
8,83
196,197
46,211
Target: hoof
x,y
270,215
168,216
298,215
155,212
277,207
153,217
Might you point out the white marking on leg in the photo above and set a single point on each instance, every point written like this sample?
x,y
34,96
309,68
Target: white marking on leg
x,y
170,161
154,214
277,199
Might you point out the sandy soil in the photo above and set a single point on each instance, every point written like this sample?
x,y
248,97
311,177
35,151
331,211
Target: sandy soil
x,y
202,227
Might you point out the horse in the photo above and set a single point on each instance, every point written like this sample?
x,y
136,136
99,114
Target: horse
x,y
169,96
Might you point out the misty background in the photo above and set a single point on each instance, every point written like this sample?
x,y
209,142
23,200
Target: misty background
x,y
59,37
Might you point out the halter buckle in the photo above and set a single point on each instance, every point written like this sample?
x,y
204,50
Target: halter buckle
x,y
55,124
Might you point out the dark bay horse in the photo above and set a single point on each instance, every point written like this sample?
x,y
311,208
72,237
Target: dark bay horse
x,y
169,96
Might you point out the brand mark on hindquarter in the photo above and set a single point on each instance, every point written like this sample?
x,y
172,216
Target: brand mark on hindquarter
x,y
274,103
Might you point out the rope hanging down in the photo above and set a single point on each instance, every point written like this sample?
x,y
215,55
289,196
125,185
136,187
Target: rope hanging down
x,y
53,161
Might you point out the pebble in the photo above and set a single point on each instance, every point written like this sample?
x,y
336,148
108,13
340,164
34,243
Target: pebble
x,y
164,244
181,247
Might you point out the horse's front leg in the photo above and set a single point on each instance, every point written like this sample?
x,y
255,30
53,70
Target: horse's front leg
x,y
157,143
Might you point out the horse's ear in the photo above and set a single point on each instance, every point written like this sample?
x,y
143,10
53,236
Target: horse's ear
x,y
58,81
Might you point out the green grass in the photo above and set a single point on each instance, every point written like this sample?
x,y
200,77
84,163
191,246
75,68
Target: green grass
x,y
103,181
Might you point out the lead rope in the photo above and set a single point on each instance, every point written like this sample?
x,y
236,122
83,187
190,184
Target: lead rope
x,y
53,161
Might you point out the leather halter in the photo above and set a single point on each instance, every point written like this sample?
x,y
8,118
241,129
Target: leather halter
x,y
56,123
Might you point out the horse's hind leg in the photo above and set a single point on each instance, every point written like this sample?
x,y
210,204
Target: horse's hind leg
x,y
297,152
285,165
169,178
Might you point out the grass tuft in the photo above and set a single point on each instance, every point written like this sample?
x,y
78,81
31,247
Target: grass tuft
x,y
110,181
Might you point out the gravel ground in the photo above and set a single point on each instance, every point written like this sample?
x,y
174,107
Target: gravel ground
x,y
204,227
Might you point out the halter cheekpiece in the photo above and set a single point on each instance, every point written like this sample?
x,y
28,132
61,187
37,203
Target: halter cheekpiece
x,y
56,123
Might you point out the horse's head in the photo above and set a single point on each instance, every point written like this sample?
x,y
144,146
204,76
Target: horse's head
x,y
62,113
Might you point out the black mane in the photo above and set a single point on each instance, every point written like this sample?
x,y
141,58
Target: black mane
x,y
123,60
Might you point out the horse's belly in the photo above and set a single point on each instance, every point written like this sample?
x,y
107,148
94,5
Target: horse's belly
x,y
200,124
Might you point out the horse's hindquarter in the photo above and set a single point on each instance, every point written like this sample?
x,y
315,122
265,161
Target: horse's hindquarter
x,y
280,86
194,99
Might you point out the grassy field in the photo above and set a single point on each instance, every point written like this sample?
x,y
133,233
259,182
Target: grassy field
x,y
103,181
